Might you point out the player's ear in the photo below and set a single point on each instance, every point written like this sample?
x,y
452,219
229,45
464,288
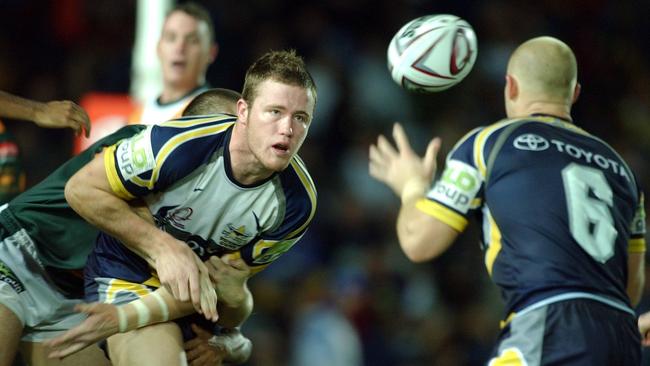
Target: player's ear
x,y
242,111
576,92
512,87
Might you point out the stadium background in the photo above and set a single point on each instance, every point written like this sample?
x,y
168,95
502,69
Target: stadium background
x,y
346,288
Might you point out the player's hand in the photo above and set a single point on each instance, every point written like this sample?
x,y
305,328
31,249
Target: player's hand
x,y
186,278
204,350
229,279
62,114
102,322
644,328
402,169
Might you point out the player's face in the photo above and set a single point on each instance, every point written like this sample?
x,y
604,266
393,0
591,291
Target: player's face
x,y
277,123
184,50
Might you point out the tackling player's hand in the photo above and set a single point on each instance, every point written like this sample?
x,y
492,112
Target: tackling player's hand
x,y
62,114
201,351
403,170
229,278
101,323
186,277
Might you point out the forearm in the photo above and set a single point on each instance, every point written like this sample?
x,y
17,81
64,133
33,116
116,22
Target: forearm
x,y
422,237
12,106
115,217
233,314
636,277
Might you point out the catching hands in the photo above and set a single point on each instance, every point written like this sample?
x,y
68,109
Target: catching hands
x,y
187,278
403,170
101,323
62,114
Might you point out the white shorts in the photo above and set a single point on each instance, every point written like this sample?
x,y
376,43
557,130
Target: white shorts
x,y
26,290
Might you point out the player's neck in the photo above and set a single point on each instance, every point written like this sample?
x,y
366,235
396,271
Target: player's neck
x,y
246,168
560,110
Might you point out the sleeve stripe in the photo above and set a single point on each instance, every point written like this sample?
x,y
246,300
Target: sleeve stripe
x,y
113,176
636,246
184,123
480,141
311,192
177,141
442,213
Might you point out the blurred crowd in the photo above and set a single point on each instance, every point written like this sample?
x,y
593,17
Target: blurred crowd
x,y
346,295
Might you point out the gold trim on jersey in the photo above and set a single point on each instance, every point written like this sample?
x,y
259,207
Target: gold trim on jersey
x,y
636,245
510,356
300,169
195,121
113,177
177,141
494,246
481,139
507,320
442,213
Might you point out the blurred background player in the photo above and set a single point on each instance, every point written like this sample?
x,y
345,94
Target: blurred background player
x,y
562,214
186,49
56,114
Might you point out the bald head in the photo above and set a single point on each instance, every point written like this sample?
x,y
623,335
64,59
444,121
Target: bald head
x,y
545,67
213,101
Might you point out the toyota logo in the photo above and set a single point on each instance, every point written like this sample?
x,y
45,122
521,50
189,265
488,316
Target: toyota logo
x,y
531,142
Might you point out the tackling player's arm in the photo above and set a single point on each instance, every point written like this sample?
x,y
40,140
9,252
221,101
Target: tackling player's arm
x,y
105,320
56,114
90,194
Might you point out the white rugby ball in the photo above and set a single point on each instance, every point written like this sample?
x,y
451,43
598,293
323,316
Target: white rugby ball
x,y
432,53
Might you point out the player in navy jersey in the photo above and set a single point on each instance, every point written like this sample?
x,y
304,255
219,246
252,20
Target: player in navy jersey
x,y
228,187
562,217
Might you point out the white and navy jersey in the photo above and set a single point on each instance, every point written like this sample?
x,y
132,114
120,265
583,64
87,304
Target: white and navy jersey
x,y
153,111
560,210
181,169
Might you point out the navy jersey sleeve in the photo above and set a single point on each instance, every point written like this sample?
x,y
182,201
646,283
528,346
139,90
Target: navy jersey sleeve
x,y
162,154
458,190
300,207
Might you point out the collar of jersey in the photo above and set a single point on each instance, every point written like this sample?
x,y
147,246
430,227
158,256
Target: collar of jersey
x,y
228,167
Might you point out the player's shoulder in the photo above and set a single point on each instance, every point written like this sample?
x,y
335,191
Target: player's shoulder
x,y
297,177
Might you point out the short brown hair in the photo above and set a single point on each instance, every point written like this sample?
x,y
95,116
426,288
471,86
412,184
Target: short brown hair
x,y
197,12
213,101
283,66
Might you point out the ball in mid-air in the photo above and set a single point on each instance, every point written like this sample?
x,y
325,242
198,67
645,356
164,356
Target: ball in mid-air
x,y
432,53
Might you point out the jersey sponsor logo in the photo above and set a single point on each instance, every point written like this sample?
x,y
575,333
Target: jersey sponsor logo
x,y
135,156
178,216
458,186
7,276
531,142
591,158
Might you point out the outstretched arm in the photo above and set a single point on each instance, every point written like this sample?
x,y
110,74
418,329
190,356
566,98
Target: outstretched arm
x,y
104,320
90,194
421,236
56,114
